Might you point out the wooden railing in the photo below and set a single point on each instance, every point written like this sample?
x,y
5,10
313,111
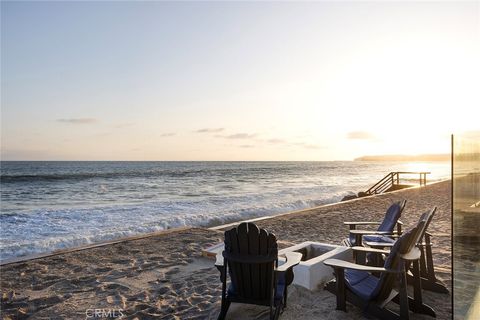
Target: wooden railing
x,y
393,179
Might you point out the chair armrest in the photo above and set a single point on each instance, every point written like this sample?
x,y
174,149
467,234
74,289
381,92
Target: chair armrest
x,y
293,258
413,254
424,244
379,244
371,232
371,250
219,260
399,227
362,223
336,263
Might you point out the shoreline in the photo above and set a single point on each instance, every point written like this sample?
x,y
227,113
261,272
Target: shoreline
x,y
89,246
223,226
156,233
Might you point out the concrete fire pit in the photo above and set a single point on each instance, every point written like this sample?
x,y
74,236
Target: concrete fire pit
x,y
311,273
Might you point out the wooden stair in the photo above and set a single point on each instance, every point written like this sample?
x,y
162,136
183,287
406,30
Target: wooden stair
x,y
391,182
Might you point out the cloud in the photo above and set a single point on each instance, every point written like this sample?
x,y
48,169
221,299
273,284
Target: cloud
x,y
247,146
210,130
168,134
360,135
276,141
78,120
241,136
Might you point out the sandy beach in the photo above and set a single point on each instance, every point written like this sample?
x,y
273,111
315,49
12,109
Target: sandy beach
x,y
164,276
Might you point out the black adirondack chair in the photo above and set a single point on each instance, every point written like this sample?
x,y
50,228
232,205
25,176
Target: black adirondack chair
x,y
427,269
426,266
356,283
251,260
385,228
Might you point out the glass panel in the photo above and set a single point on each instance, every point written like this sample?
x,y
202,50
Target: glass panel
x,y
466,225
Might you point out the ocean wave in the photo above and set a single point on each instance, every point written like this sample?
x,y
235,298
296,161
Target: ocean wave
x,y
93,175
49,230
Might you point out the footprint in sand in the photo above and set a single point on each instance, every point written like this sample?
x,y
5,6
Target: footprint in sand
x,y
177,286
114,286
144,307
200,289
36,305
102,270
195,300
117,300
156,258
142,296
120,261
88,281
163,290
43,284
63,286
114,274
173,271
149,265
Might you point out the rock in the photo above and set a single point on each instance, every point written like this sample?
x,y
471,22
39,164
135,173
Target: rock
x,y
349,197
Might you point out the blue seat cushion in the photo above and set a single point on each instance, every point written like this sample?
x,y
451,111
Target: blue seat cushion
x,y
353,277
351,238
378,239
362,283
391,217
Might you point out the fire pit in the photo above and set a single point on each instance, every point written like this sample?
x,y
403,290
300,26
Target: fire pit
x,y
311,273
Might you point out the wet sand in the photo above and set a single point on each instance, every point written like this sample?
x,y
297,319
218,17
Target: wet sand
x,y
164,276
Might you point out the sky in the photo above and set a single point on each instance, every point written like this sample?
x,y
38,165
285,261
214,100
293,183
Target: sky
x,y
236,80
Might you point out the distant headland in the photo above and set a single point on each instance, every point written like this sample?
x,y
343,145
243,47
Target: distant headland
x,y
402,157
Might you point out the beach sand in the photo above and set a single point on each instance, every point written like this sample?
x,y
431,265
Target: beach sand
x,y
164,276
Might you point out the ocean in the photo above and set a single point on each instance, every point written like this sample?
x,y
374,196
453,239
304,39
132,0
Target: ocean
x,y
53,205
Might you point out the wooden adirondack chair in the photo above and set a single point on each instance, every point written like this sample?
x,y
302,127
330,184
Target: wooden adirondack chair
x,y
426,267
356,283
251,259
385,228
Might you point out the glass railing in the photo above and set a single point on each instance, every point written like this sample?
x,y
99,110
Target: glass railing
x,y
466,226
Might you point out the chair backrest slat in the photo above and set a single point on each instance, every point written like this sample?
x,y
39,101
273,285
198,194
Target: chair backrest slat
x,y
264,269
254,249
243,250
251,254
231,245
